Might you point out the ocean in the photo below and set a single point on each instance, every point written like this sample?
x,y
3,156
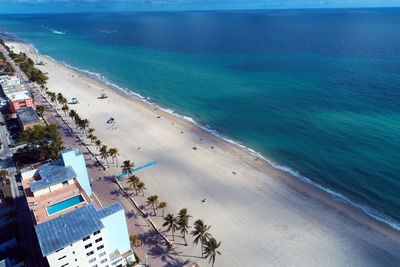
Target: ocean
x,y
316,92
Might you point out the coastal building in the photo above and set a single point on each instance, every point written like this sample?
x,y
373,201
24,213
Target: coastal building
x,y
72,227
15,92
27,117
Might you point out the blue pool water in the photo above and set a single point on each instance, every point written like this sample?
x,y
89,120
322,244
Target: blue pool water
x,y
65,204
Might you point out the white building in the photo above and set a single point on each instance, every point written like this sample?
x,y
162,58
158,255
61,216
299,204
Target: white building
x,y
72,227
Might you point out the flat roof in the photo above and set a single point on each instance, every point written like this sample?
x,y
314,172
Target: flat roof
x,y
18,96
27,116
52,174
70,227
111,209
67,228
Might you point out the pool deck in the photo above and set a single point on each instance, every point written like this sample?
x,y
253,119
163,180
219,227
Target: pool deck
x,y
38,205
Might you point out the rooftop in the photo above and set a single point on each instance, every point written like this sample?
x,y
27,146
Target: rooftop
x,y
67,228
40,204
52,174
18,96
71,227
28,116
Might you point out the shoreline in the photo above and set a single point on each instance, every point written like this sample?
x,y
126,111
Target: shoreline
x,y
310,190
125,92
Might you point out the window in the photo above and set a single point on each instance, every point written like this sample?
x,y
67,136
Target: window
x,y
102,254
90,253
59,249
98,240
103,261
73,252
85,238
64,265
62,257
97,232
88,245
100,247
65,183
92,260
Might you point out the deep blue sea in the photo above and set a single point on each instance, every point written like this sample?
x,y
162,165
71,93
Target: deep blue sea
x,y
316,91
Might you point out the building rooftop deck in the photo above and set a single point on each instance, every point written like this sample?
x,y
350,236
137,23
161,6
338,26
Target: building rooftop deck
x,y
39,204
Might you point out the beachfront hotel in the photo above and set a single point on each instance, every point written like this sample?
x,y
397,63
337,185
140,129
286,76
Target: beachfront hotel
x,y
15,93
72,227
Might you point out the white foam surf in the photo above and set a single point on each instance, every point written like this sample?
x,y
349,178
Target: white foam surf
x,y
53,30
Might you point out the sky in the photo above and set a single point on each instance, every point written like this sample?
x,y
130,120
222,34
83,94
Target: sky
x,y
46,6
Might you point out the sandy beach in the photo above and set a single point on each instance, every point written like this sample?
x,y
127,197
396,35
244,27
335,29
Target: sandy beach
x,y
263,216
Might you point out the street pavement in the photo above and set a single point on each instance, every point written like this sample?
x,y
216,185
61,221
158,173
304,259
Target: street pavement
x,y
6,159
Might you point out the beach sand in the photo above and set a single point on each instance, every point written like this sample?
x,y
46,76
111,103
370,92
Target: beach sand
x,y
263,216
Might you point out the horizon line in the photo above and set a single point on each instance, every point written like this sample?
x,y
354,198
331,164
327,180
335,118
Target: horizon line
x,y
202,10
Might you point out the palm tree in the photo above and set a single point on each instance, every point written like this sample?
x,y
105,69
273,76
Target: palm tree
x,y
40,110
60,98
3,175
201,233
135,240
141,187
127,167
65,108
64,101
53,97
72,113
153,201
79,123
104,153
162,205
92,138
183,224
210,250
113,152
172,223
183,213
133,181
90,130
98,143
85,124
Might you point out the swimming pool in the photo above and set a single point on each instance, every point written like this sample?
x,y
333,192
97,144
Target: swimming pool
x,y
65,204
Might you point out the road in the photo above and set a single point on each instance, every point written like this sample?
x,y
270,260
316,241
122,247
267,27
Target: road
x,y
154,251
6,159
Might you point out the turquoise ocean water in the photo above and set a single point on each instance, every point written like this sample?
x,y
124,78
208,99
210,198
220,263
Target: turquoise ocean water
x,y
317,92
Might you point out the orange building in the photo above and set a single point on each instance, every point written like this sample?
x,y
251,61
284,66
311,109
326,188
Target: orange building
x,y
19,100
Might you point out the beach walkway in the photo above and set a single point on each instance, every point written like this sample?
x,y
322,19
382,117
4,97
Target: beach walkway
x,y
154,247
154,251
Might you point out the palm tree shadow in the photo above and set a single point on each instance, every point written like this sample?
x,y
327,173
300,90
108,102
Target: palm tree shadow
x,y
116,192
110,179
150,237
167,255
